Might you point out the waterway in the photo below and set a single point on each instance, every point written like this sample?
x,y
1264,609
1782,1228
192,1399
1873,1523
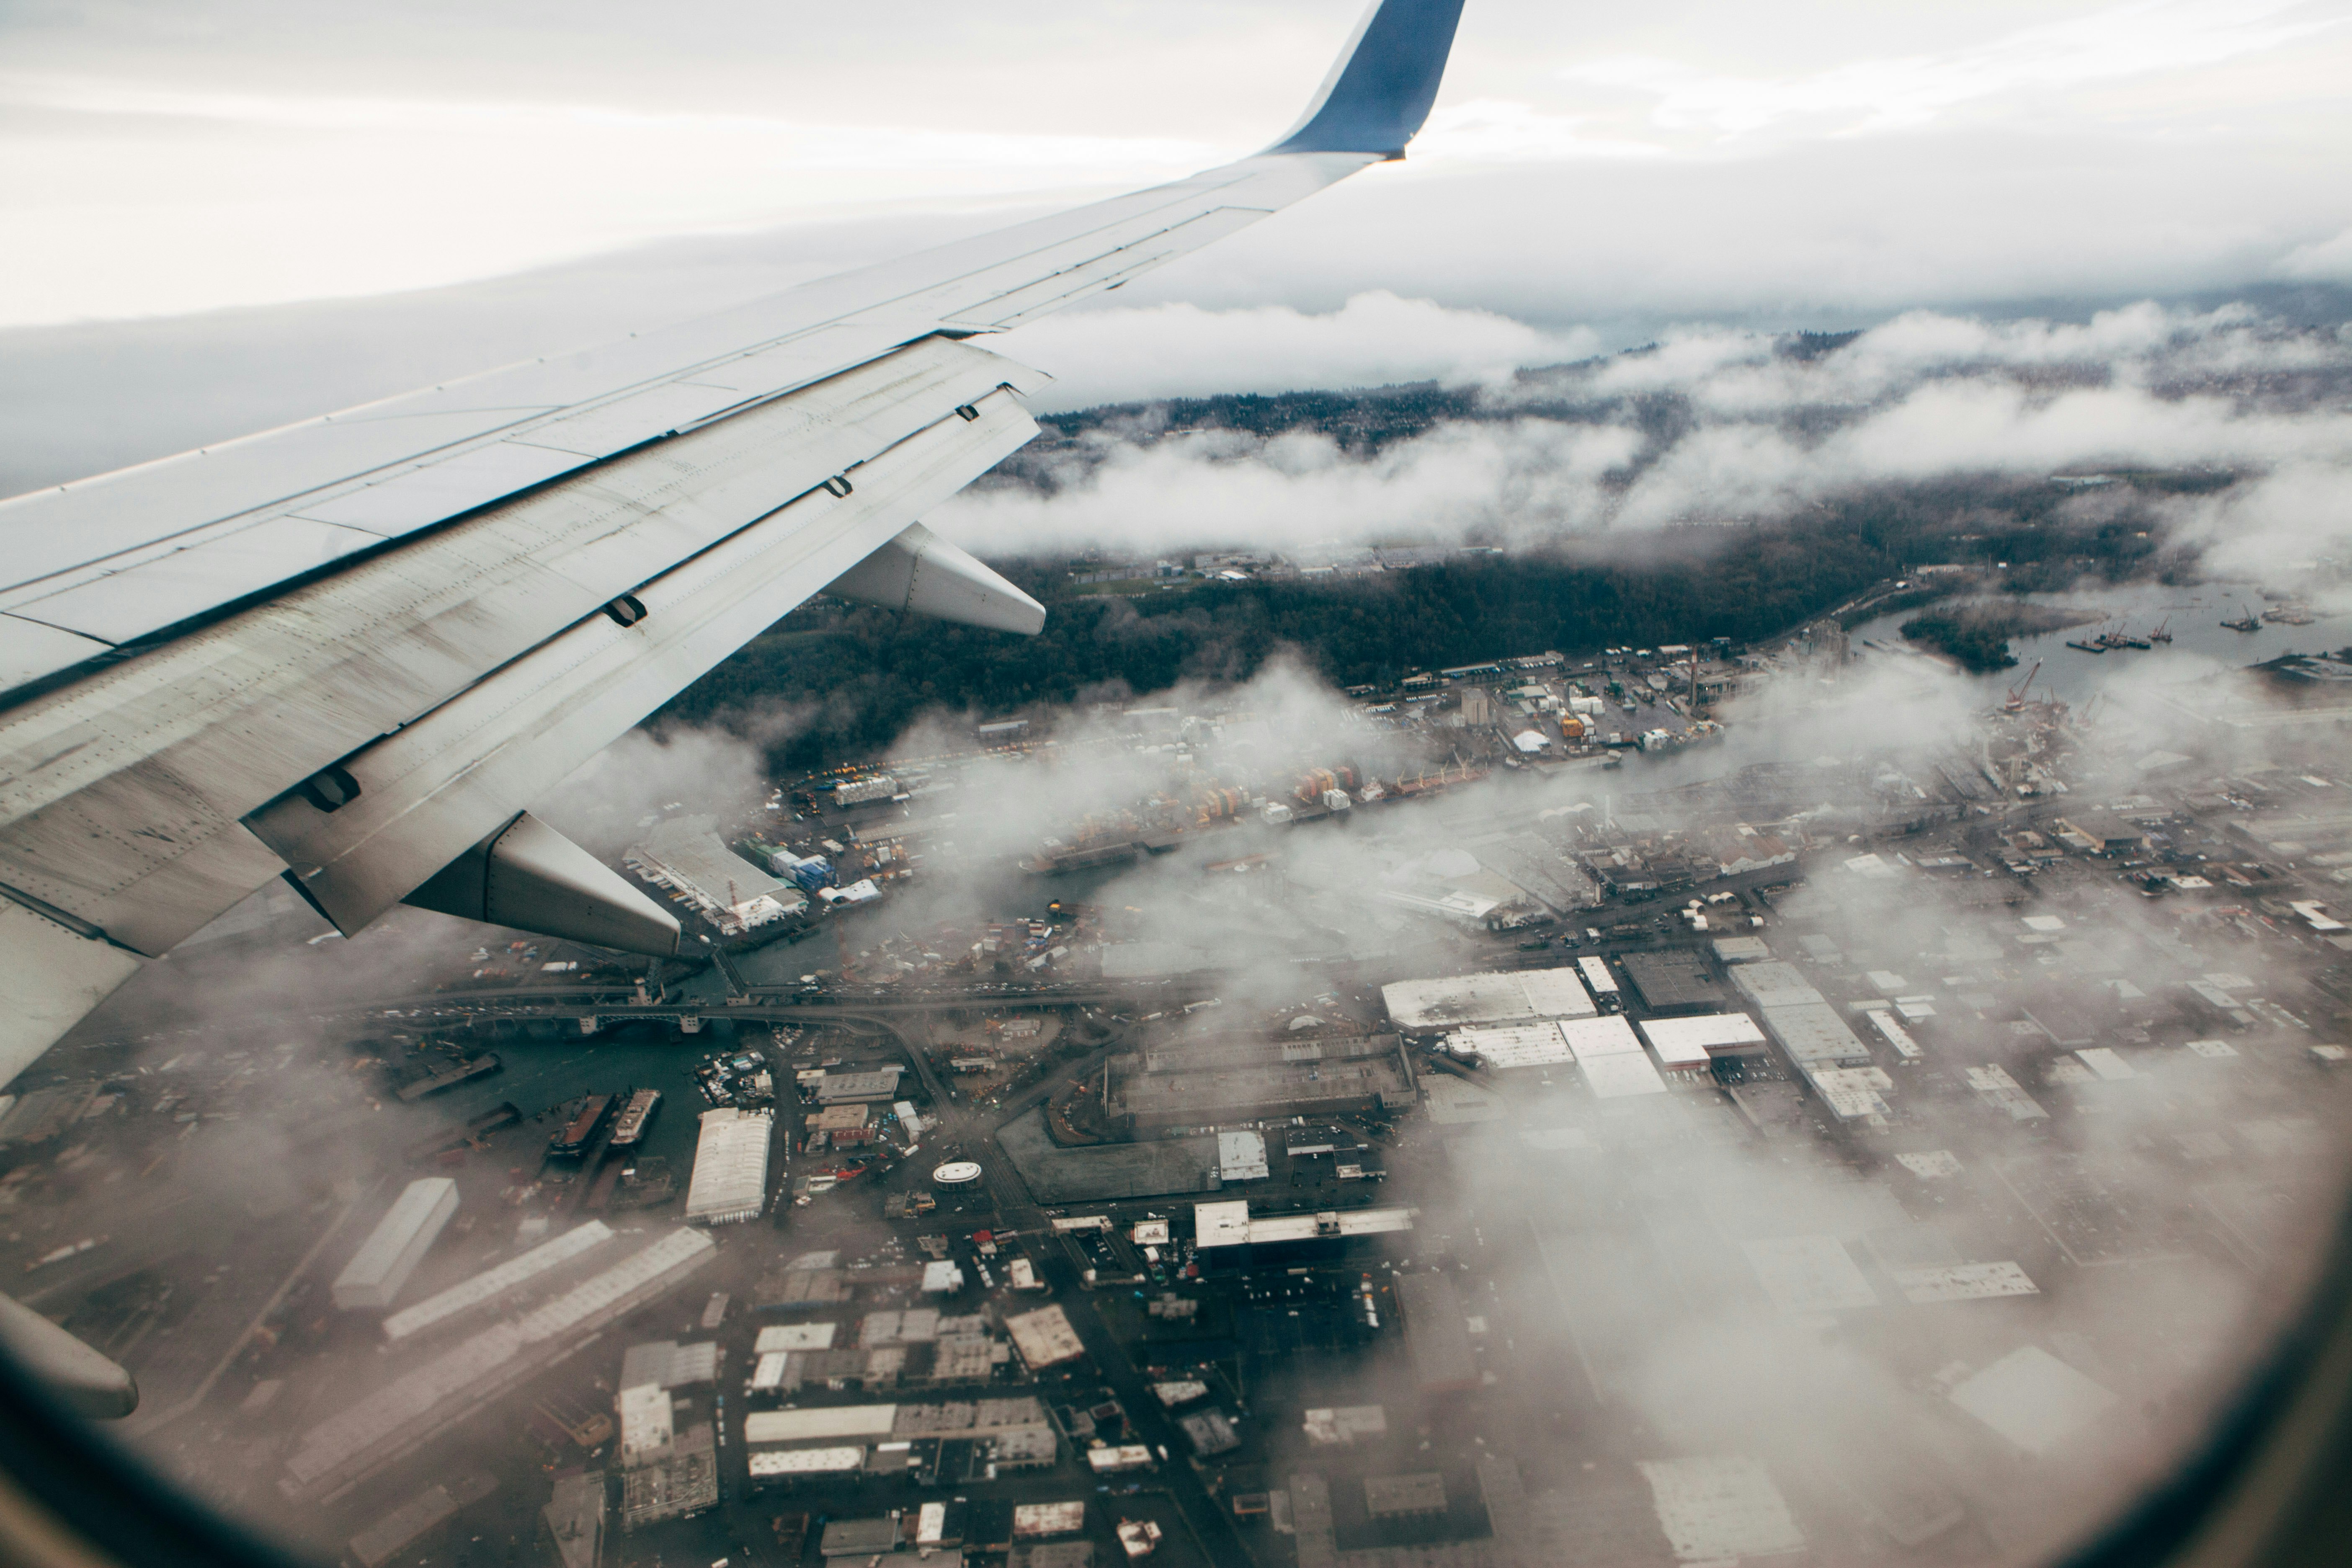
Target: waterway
x,y
2201,646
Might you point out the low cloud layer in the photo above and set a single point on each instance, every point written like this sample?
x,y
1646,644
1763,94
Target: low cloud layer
x,y
1715,425
1183,351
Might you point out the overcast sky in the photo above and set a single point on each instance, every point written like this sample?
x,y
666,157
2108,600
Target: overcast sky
x,y
507,177
1687,155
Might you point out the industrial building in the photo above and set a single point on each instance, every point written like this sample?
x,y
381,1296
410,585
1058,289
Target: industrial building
x,y
667,1364
1436,1334
1043,1521
388,1537
1009,1433
918,1345
495,1285
731,1167
1672,982
1501,1047
868,1085
401,1415
683,1481
1241,1156
1202,1082
1610,1058
1045,1338
397,1245
1418,1495
1894,1034
572,1522
686,856
1684,1044
668,1470
1431,1006
1816,1034
1227,1236
1816,1038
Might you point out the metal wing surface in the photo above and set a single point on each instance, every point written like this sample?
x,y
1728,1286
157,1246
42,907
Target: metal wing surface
x,y
353,650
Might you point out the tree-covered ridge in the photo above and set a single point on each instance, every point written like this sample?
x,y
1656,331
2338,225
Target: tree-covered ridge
x,y
851,677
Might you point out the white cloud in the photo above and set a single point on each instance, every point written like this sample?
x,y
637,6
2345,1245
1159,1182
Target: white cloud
x,y
1502,131
2321,261
259,196
1767,433
1903,91
1116,355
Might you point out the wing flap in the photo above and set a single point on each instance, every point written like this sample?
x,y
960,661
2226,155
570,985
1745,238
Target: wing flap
x,y
529,876
51,977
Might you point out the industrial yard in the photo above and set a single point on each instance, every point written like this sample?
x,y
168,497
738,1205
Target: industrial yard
x,y
1453,1151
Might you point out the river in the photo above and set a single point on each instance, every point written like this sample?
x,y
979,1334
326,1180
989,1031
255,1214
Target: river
x,y
2200,645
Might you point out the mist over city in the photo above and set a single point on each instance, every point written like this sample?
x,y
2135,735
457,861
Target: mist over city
x,y
1624,848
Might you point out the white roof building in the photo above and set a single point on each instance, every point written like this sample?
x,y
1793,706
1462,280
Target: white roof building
x,y
1045,1338
1228,1223
397,1244
1455,1000
493,1283
394,1419
1504,1045
796,1337
731,1167
646,1429
1610,1057
1682,1043
686,855
1241,1156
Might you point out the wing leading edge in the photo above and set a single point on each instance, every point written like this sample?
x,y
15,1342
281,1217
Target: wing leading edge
x,y
355,650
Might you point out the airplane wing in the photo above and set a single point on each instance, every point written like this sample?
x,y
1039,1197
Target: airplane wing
x,y
353,650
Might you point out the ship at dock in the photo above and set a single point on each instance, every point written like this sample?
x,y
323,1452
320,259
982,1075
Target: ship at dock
x,y
582,1130
629,1128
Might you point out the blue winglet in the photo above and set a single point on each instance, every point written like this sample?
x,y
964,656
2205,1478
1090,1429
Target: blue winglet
x,y
1380,89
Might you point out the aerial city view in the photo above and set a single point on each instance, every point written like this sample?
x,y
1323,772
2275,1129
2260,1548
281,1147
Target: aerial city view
x,y
1436,899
